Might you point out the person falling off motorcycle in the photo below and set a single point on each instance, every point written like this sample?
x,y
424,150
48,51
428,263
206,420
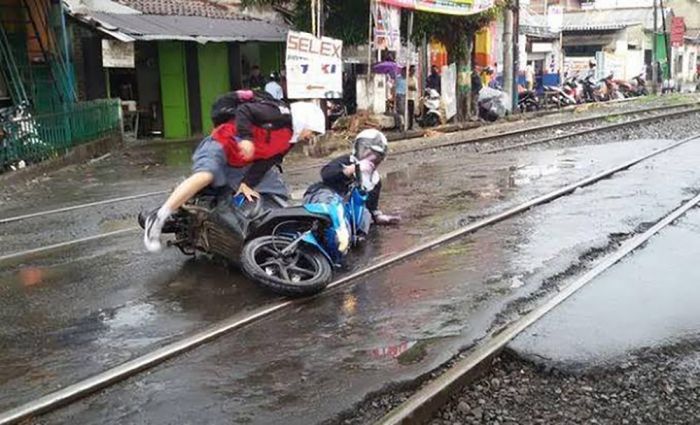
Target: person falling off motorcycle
x,y
242,152
369,150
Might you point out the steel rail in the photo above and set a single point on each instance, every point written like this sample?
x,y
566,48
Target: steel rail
x,y
17,255
29,252
477,139
422,405
592,130
519,131
90,385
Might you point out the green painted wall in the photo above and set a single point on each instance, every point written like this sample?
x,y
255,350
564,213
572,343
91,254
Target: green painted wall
x,y
213,77
173,89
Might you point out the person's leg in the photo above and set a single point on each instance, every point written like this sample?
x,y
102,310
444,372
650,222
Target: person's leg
x,y
182,193
411,113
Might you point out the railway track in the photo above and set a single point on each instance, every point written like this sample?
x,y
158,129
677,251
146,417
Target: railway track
x,y
137,365
423,404
689,108
685,109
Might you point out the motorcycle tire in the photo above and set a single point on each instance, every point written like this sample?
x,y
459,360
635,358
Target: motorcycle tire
x,y
258,264
431,120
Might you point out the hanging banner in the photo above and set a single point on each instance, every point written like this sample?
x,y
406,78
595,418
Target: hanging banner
x,y
448,82
448,7
677,31
387,27
314,67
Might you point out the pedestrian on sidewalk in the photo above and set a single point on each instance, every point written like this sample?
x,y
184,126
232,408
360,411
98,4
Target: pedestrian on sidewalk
x,y
401,89
412,95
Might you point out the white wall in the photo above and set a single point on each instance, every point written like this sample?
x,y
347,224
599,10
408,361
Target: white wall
x,y
612,4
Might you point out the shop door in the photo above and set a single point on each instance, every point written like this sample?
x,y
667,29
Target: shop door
x,y
213,78
173,89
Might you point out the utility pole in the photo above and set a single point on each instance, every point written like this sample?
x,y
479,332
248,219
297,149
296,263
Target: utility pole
x,y
516,51
654,54
508,67
321,19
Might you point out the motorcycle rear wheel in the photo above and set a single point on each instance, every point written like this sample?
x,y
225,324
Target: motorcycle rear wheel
x,y
304,272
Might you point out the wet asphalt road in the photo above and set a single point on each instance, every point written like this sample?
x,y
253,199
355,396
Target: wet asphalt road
x,y
74,312
115,302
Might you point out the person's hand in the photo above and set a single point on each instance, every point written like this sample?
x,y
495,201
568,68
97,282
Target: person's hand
x,y
248,192
367,166
386,219
247,149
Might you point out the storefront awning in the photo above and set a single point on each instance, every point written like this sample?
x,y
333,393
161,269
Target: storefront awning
x,y
131,27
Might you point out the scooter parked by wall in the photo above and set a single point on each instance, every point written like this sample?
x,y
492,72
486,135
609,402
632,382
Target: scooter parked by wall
x,y
430,109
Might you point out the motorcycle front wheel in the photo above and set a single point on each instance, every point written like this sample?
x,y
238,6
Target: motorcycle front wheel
x,y
303,272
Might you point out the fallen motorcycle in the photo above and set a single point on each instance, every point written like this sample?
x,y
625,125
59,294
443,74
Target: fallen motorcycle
x,y
290,250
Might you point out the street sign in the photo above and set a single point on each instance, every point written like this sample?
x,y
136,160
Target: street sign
x,y
314,67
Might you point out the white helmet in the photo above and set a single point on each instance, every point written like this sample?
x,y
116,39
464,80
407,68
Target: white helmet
x,y
307,116
592,63
370,141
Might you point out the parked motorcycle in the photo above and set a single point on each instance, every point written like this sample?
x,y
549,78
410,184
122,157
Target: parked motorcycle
x,y
336,109
290,250
492,104
625,88
527,100
20,142
639,84
609,89
558,96
430,110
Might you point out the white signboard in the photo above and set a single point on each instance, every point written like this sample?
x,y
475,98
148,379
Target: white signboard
x,y
555,18
117,54
314,67
448,83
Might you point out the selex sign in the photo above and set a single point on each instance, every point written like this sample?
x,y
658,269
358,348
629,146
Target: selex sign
x,y
314,66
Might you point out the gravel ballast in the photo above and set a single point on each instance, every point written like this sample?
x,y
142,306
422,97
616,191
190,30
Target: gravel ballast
x,y
649,387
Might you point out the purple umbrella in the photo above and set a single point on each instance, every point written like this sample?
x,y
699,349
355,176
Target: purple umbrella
x,y
387,67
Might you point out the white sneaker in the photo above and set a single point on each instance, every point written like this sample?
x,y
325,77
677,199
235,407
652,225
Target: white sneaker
x,y
151,235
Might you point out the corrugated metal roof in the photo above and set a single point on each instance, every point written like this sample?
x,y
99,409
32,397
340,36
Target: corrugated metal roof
x,y
186,28
107,6
203,8
611,19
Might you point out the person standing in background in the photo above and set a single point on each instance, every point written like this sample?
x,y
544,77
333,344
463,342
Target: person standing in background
x,y
401,92
274,88
412,95
433,80
530,77
256,81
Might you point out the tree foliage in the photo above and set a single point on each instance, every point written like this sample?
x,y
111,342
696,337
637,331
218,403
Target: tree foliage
x,y
348,20
453,31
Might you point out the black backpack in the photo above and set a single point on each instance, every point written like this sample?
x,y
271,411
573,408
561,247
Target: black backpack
x,y
225,107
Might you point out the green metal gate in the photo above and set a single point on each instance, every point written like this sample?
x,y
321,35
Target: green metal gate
x,y
213,77
173,88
